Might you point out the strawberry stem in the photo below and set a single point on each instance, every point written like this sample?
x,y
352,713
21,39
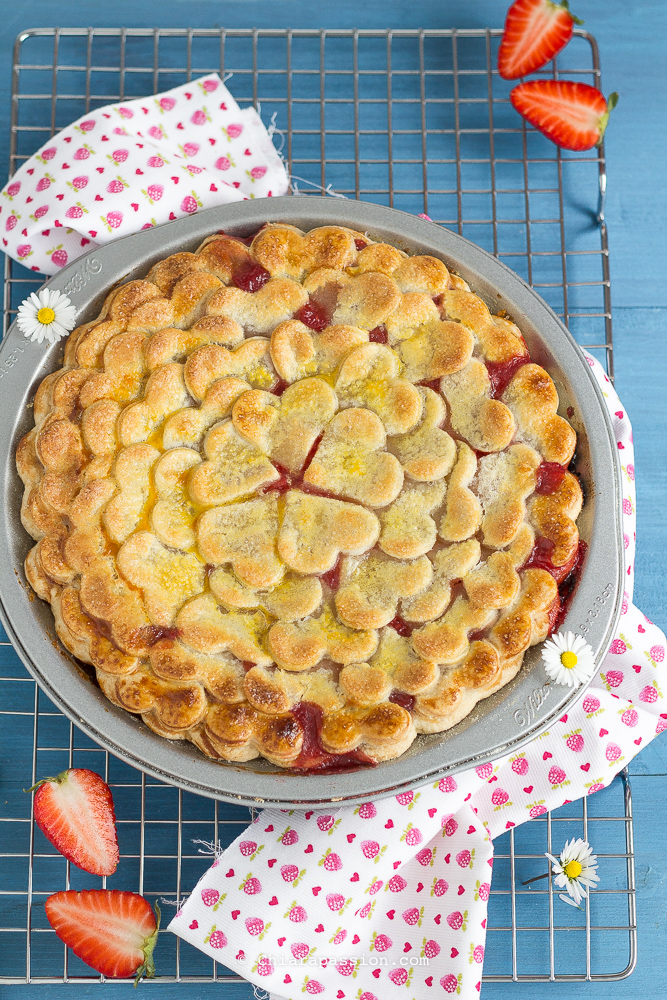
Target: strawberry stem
x,y
612,101
59,779
565,6
147,968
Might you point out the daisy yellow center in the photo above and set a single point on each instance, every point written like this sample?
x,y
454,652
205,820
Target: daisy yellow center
x,y
573,868
568,659
46,315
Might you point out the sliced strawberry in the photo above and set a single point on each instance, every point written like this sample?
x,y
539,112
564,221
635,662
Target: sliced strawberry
x,y
75,812
573,115
112,931
535,31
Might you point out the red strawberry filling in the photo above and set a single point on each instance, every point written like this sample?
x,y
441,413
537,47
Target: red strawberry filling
x,y
501,373
548,477
313,756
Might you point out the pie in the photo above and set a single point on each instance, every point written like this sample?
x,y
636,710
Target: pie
x,y
300,496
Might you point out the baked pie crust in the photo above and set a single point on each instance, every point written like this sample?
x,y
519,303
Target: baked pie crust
x,y
300,499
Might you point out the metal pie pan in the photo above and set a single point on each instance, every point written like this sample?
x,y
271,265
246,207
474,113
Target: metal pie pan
x,y
499,724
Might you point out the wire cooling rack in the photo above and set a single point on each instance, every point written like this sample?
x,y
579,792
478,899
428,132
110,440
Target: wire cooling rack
x,y
415,119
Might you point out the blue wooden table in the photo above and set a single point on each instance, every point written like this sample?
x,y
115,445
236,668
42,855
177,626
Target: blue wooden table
x,y
633,46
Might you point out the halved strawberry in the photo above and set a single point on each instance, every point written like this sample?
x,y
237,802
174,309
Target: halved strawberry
x,y
535,31
112,931
573,115
75,812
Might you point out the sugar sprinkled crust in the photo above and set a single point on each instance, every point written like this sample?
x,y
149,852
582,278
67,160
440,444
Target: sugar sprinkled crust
x,y
304,474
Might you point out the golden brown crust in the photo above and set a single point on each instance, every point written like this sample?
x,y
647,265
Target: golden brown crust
x,y
237,514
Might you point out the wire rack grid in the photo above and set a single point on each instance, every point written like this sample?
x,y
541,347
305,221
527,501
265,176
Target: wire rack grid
x,y
415,119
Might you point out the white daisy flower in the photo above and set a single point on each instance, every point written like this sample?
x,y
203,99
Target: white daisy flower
x,y
568,659
575,871
46,315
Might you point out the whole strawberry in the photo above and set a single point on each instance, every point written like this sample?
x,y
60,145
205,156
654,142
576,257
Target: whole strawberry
x,y
332,862
75,813
247,847
370,848
210,897
367,811
412,916
431,949
381,942
440,887
396,883
254,925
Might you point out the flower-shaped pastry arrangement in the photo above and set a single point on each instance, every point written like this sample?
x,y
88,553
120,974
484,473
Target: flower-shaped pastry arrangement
x,y
300,496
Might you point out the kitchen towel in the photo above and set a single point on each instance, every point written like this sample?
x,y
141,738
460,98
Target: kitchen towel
x,y
134,165
366,902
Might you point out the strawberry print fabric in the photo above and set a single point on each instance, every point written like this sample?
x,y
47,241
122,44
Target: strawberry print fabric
x,y
134,165
389,899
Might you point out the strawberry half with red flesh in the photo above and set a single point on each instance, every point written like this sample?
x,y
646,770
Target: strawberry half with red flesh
x,y
573,115
112,931
75,812
535,31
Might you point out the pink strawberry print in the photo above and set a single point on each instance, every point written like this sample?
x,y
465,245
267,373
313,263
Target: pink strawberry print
x,y
87,126
216,939
296,914
595,786
82,153
368,996
156,161
233,131
457,920
289,872
156,132
630,718
447,785
499,797
413,916
332,862
464,859
120,155
264,966
365,910
339,937
210,897
346,967
520,765
11,222
440,887
430,949
24,250
590,704
116,186
190,203
661,726
223,163
13,189
381,942
247,847
190,148
289,837
575,741
167,103
556,775
44,183
399,977
199,117
425,856
58,256
257,173
154,192
80,182
478,954
254,925
484,771
612,752
126,113
482,889
375,887
313,987
112,220
335,901
396,883
366,811
656,654
537,810
649,694
449,825
370,848
75,211
450,983
47,154
405,798
252,886
613,678
412,836
324,823
618,646
300,950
